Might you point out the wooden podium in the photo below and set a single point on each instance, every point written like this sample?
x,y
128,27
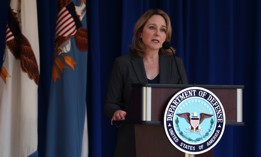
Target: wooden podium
x,y
146,111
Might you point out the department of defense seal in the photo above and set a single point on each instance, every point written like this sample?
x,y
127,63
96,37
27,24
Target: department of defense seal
x,y
194,120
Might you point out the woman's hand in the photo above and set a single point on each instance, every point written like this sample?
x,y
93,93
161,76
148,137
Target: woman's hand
x,y
119,115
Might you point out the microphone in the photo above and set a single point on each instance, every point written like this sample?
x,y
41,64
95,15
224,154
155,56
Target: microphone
x,y
166,45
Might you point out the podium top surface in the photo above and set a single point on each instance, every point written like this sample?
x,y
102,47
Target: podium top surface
x,y
187,85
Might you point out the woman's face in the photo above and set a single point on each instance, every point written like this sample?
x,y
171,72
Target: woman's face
x,y
154,33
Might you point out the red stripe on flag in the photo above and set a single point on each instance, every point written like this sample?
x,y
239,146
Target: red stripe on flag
x,y
63,17
9,35
65,28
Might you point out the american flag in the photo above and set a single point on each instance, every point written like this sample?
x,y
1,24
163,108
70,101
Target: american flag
x,y
12,27
67,21
9,34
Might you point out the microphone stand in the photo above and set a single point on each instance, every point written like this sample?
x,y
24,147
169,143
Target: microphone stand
x,y
166,45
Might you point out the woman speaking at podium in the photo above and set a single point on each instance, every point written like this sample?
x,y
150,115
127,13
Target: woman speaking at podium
x,y
150,60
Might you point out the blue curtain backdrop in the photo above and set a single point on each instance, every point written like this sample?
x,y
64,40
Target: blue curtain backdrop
x,y
219,41
47,11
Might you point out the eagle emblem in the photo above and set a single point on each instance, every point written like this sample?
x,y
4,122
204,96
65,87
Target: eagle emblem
x,y
194,121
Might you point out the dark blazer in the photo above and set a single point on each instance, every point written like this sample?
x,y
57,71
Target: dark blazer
x,y
127,70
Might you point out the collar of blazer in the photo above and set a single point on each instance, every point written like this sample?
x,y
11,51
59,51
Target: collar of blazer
x,y
165,68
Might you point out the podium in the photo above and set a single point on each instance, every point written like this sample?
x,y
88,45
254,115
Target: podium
x,y
147,107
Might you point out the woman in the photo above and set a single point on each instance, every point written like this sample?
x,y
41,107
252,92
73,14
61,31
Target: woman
x,y
147,62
